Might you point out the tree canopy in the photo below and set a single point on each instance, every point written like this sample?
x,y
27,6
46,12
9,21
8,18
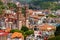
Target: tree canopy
x,y
53,16
57,32
11,5
45,4
2,7
24,11
24,28
55,38
1,3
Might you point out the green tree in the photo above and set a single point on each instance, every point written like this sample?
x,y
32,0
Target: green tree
x,y
1,3
26,31
29,32
45,4
55,38
2,7
56,7
14,30
24,11
51,15
24,28
12,6
57,32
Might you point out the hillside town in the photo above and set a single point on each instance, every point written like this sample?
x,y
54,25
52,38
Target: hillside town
x,y
18,22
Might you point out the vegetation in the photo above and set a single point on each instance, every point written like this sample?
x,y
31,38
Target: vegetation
x,y
42,4
55,38
23,11
2,7
24,30
11,5
1,3
29,32
14,30
53,16
57,32
45,4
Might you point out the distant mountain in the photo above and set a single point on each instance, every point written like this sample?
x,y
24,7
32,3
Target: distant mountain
x,y
27,1
37,4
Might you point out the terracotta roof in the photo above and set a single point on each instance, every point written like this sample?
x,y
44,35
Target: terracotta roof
x,y
35,17
40,14
17,34
47,27
7,30
30,11
2,33
11,16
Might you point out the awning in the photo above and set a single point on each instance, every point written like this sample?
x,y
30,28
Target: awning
x,y
2,33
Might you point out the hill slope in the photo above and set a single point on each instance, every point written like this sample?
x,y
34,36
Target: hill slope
x,y
55,38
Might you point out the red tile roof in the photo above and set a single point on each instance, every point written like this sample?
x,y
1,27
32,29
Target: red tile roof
x,y
35,17
47,26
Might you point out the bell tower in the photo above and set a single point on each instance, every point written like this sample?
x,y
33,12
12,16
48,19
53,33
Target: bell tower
x,y
19,15
27,12
27,15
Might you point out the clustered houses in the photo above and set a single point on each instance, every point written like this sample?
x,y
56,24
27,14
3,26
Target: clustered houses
x,y
34,19
12,19
15,20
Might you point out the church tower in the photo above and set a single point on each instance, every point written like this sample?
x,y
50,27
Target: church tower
x,y
27,15
19,15
27,12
